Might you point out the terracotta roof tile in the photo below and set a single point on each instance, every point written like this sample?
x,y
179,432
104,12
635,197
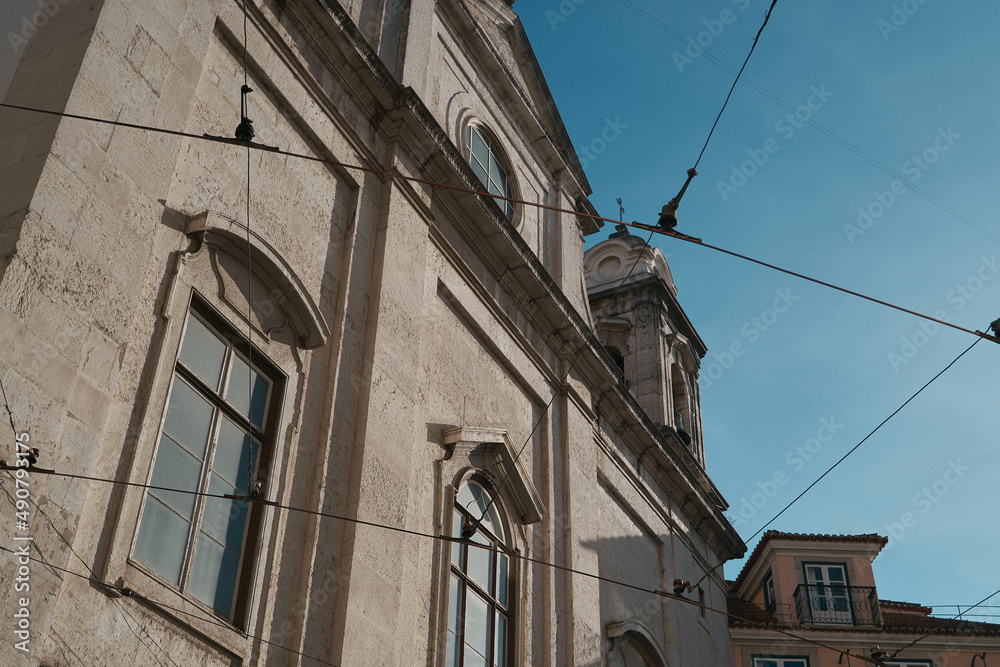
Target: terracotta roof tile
x,y
803,537
750,615
904,607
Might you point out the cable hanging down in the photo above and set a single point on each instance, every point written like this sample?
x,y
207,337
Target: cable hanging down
x,y
513,200
668,216
450,540
668,220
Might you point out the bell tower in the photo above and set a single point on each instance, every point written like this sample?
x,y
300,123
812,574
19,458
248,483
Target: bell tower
x,y
644,329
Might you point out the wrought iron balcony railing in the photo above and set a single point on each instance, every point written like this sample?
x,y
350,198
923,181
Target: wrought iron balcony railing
x,y
855,606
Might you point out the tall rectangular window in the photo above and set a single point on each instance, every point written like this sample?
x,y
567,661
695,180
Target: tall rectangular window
x,y
214,433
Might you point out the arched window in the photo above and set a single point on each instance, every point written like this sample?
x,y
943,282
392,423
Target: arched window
x,y
219,420
479,587
682,404
632,645
485,162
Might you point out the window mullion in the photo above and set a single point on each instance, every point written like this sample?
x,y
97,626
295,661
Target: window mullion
x,y
200,499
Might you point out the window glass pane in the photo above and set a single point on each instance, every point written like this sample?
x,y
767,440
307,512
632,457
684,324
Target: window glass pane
x,y
477,146
477,625
451,651
162,540
502,582
239,388
213,575
231,452
473,658
176,468
497,172
224,519
475,500
456,531
480,567
454,606
189,418
479,171
203,352
500,642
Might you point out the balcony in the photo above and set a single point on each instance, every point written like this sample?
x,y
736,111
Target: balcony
x,y
849,606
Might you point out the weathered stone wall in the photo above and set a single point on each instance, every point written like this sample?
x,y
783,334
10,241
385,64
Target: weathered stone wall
x,y
395,313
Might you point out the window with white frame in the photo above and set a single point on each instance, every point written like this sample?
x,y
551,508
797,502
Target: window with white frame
x,y
479,587
910,663
486,163
781,662
214,433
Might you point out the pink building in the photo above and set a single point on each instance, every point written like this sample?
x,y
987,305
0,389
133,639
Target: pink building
x,y
822,588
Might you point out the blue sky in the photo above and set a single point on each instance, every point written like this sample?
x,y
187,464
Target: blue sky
x,y
911,86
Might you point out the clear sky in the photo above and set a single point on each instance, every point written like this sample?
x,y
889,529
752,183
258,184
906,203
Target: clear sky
x,y
905,87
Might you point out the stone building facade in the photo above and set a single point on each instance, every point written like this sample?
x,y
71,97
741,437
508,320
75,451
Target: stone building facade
x,y
376,354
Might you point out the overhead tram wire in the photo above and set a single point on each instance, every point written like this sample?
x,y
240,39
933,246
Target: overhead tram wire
x,y
821,128
667,215
953,618
513,200
470,529
126,614
442,538
129,593
863,440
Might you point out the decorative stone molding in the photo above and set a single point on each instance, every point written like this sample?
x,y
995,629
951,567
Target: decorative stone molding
x,y
637,629
610,262
222,232
465,439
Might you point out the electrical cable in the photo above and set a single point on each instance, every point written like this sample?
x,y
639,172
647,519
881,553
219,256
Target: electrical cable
x,y
245,121
457,188
920,639
863,440
767,17
126,614
121,609
129,593
802,276
669,213
668,216
6,405
451,540
467,529
821,128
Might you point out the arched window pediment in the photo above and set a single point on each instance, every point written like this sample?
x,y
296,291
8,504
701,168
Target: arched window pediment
x,y
526,499
222,232
640,639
